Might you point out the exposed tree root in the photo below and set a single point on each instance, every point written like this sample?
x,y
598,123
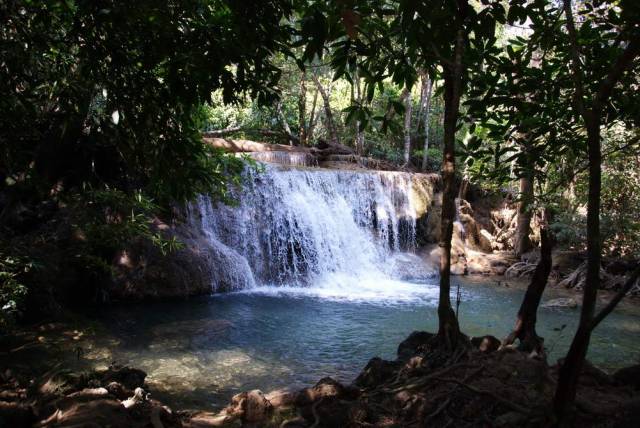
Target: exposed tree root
x,y
511,404
608,281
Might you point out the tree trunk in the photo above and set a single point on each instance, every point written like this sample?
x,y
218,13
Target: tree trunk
x,y
406,96
522,243
427,113
525,327
312,118
359,133
331,124
448,329
592,116
285,124
302,110
570,371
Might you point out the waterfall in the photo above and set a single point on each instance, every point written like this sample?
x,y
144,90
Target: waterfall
x,y
302,227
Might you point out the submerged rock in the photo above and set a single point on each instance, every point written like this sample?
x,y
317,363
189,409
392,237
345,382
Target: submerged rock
x,y
562,302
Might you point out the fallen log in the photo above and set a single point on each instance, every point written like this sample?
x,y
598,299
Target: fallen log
x,y
243,146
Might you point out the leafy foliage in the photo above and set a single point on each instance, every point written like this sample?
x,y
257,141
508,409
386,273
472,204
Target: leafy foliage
x,y
12,288
101,109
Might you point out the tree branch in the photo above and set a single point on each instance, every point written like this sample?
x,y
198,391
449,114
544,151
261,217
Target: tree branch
x,y
576,74
623,62
616,299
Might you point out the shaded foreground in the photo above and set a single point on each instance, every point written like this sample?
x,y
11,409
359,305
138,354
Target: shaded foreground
x,y
479,386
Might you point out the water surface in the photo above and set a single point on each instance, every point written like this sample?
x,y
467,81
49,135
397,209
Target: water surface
x,y
200,352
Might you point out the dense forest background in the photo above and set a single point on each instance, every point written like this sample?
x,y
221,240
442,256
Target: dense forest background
x,y
379,128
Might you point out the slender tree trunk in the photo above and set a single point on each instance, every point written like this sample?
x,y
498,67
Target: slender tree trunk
x,y
285,124
427,113
302,110
448,329
570,371
423,97
331,124
312,118
406,96
525,327
522,243
359,133
592,116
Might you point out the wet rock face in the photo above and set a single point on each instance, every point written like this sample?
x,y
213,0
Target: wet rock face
x,y
142,271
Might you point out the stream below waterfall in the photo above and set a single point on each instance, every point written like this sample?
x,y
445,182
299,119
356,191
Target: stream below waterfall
x,y
316,271
200,352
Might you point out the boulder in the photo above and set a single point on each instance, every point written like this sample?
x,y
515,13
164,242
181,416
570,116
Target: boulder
x,y
206,420
413,345
376,372
325,388
128,377
101,412
486,343
629,376
485,240
118,390
251,407
202,266
60,383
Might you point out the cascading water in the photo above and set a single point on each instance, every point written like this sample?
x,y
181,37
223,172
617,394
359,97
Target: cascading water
x,y
319,230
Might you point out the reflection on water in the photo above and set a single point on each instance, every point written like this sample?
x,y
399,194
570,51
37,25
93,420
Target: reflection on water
x,y
200,352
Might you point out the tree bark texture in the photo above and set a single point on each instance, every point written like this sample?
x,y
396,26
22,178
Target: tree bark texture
x,y
525,327
427,113
406,97
592,116
331,124
522,243
302,110
448,329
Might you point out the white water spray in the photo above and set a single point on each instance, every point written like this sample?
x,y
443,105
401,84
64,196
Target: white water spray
x,y
320,231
